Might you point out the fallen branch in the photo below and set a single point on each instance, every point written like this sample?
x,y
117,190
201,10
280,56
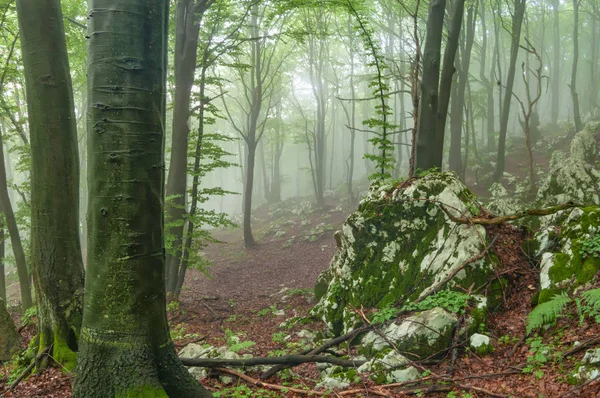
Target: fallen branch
x,y
512,217
573,391
289,360
331,343
260,384
586,344
27,370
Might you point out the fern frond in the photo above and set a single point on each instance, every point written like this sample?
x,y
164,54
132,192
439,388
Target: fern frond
x,y
592,298
547,312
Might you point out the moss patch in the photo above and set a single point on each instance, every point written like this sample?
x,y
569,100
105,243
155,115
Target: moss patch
x,y
398,244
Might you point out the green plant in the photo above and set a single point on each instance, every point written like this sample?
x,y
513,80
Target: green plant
x,y
587,305
547,312
384,315
591,247
539,356
268,310
279,337
234,342
450,300
27,318
507,339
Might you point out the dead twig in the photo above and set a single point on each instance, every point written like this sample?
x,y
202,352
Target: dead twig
x,y
261,384
26,372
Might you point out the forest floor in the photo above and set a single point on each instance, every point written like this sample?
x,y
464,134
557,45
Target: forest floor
x,y
250,292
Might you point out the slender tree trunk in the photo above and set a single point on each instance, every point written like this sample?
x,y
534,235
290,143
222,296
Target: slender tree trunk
x,y
248,237
13,231
573,86
187,27
457,110
125,347
514,50
487,82
55,249
555,109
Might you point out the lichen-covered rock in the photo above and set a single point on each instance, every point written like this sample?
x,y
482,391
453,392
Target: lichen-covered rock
x,y
392,368
9,338
575,178
501,202
398,245
196,351
565,245
480,344
425,334
337,378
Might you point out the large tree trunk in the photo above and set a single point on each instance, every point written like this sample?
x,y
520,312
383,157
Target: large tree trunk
x,y
186,45
514,50
573,85
428,116
125,347
556,66
447,73
2,257
55,249
13,231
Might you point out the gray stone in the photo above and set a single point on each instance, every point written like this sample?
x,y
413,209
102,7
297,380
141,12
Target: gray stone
x,y
424,334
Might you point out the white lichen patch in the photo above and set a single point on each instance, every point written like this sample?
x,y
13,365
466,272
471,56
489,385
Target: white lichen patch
x,y
390,251
545,265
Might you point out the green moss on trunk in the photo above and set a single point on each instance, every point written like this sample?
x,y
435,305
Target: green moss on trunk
x,y
124,347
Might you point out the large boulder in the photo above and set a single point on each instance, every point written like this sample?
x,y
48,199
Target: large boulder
x,y
398,245
9,338
569,248
576,177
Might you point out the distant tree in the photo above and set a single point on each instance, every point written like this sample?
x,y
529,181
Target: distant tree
x,y
125,347
257,71
57,265
573,85
517,21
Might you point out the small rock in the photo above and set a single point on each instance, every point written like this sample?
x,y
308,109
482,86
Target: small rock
x,y
592,357
481,344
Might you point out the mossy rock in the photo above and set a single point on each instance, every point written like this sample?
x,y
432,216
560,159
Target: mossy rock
x,y
426,334
9,338
398,245
575,178
568,264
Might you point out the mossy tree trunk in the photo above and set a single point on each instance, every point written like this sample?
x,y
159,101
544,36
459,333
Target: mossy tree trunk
x,y
13,231
2,257
57,265
125,348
